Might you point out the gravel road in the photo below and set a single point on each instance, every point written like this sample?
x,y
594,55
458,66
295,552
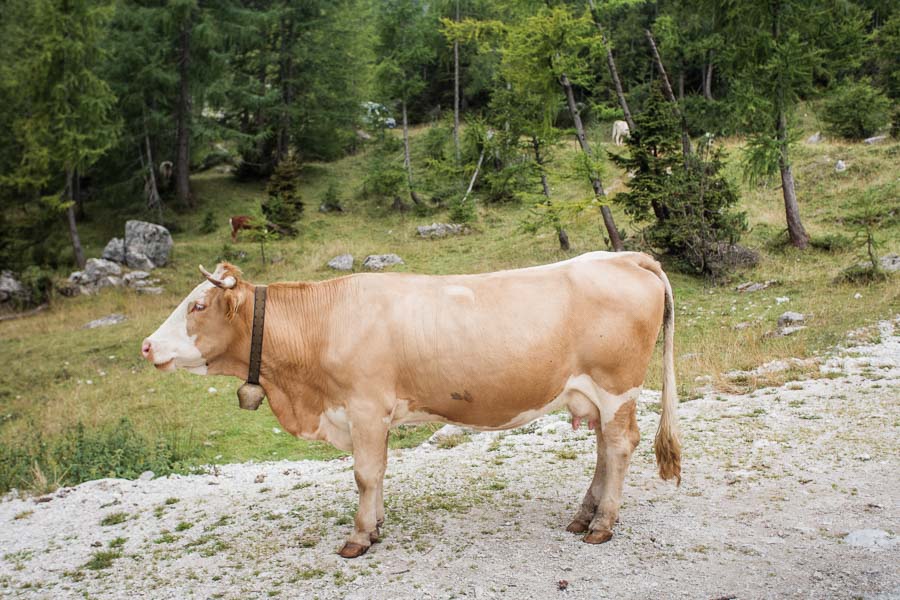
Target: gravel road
x,y
788,492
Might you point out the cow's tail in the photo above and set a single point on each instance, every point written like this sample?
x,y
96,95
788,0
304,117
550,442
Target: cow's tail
x,y
667,444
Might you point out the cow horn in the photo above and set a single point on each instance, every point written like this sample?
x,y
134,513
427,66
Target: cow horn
x,y
226,283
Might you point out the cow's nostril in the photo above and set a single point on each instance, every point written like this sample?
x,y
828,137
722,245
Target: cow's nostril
x,y
145,348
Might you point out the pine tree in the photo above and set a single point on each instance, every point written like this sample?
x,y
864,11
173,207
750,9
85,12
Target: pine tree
x,y
70,121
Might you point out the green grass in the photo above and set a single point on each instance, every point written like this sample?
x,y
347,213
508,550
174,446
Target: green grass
x,y
96,377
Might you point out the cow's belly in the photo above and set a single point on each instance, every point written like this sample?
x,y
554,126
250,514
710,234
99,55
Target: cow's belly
x,y
583,397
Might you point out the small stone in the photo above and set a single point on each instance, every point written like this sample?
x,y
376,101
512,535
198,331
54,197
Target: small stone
x,y
782,299
840,166
113,319
134,277
377,262
752,286
212,390
857,296
786,331
440,230
343,262
875,139
154,291
146,476
562,585
790,317
743,325
276,431
260,478
814,138
97,268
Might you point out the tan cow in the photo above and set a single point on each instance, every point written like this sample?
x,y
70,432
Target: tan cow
x,y
345,360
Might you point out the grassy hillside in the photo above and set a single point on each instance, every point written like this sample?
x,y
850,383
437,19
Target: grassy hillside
x,y
60,375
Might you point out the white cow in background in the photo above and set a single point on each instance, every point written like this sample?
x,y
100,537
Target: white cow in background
x,y
620,131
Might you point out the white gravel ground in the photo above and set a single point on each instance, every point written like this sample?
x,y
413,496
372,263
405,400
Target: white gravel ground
x,y
788,492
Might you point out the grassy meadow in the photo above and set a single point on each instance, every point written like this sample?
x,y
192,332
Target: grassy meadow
x,y
59,375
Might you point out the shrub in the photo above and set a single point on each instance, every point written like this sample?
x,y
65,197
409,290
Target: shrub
x,y
283,205
209,222
385,178
38,284
689,207
81,455
856,110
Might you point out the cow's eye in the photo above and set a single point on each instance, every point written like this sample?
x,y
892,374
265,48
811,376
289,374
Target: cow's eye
x,y
197,307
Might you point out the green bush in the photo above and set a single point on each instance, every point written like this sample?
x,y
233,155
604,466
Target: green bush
x,y
856,110
209,222
81,455
385,178
39,284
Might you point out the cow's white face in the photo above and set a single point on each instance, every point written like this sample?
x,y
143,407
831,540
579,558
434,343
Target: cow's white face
x,y
198,330
171,347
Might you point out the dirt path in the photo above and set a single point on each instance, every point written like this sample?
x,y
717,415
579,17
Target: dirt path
x,y
774,482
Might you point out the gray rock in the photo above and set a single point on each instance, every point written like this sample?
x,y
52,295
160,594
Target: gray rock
x,y
440,230
877,139
377,262
153,291
138,260
151,240
135,276
873,539
11,288
446,431
814,138
344,262
115,250
840,166
108,281
790,318
146,476
890,263
113,319
790,330
752,286
98,268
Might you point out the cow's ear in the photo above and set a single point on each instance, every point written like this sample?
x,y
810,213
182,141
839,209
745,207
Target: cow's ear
x,y
234,299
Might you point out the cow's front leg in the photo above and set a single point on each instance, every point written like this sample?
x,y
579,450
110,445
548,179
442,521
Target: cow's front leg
x,y
616,443
369,438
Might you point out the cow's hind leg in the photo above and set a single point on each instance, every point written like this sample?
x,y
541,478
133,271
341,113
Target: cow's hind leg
x,y
369,463
615,445
582,520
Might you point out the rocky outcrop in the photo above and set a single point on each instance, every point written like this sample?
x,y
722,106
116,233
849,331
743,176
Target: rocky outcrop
x,y
152,241
442,230
11,289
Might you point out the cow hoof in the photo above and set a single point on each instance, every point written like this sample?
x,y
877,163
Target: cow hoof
x,y
598,537
577,527
351,550
375,536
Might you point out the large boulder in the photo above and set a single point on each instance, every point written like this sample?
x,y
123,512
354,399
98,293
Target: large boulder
x,y
152,241
377,262
11,288
138,260
115,250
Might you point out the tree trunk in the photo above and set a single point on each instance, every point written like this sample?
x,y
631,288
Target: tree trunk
x,y
285,74
474,176
539,160
670,96
406,160
614,239
456,91
73,227
707,78
76,194
613,71
563,239
154,201
183,149
797,233
681,84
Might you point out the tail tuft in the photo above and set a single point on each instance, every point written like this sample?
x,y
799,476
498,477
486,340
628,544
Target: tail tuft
x,y
667,445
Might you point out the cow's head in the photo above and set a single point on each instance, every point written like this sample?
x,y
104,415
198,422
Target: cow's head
x,y
207,328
